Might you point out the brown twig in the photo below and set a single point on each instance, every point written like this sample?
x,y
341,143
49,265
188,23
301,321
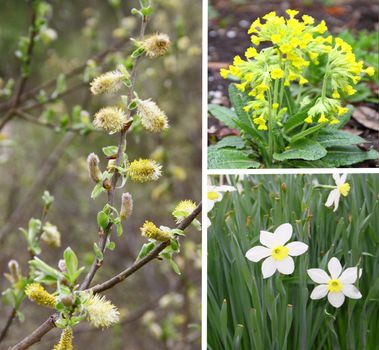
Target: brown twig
x,y
10,319
49,324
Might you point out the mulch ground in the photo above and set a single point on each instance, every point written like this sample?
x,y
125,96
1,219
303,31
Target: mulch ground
x,y
227,37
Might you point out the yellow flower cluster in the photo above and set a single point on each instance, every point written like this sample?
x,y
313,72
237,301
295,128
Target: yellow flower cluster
x,y
101,312
295,45
144,170
38,294
65,342
149,230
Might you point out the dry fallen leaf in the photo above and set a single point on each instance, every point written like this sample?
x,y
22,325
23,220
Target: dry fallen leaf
x,y
367,116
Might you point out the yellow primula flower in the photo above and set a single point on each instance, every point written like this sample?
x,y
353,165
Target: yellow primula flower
x,y
322,119
255,40
308,120
342,110
251,52
292,13
349,90
277,73
321,28
237,60
370,71
224,73
335,94
308,19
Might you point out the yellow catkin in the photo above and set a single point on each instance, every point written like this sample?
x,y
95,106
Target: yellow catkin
x,y
156,45
38,294
65,342
144,170
149,230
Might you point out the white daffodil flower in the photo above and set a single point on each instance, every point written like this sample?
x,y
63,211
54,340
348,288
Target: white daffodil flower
x,y
342,188
338,285
214,194
278,255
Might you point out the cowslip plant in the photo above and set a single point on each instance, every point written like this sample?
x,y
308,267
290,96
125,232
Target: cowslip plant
x,y
247,309
286,114
74,301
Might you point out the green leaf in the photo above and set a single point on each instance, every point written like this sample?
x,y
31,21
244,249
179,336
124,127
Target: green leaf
x,y
298,118
223,114
174,266
98,253
228,158
146,249
102,219
119,228
302,149
97,190
301,135
47,199
332,137
71,262
231,141
111,245
110,151
60,87
239,100
344,156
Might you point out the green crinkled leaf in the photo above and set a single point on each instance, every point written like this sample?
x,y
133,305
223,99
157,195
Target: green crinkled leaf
x,y
302,149
332,137
230,141
229,158
223,114
344,156
238,101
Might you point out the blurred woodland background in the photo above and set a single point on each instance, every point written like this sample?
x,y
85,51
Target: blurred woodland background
x,y
160,310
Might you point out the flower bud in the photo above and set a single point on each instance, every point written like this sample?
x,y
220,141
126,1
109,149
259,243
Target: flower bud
x,y
111,165
15,271
111,119
152,117
93,167
156,45
51,235
67,300
151,231
144,170
183,209
62,265
107,184
126,205
38,294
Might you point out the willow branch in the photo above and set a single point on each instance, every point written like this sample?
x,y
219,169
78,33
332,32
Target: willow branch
x,y
7,325
49,324
140,263
121,146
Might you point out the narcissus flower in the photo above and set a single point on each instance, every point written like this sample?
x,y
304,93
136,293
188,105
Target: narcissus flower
x,y
151,231
214,194
38,294
111,119
338,285
342,188
65,342
109,82
156,45
183,209
152,117
100,311
144,170
277,255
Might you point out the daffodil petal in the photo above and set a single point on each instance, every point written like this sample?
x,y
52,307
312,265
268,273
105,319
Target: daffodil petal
x,y
225,188
351,291
337,179
337,200
208,222
332,195
210,205
319,292
268,267
336,299
343,178
296,248
335,268
318,276
350,275
283,233
268,239
258,253
286,266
